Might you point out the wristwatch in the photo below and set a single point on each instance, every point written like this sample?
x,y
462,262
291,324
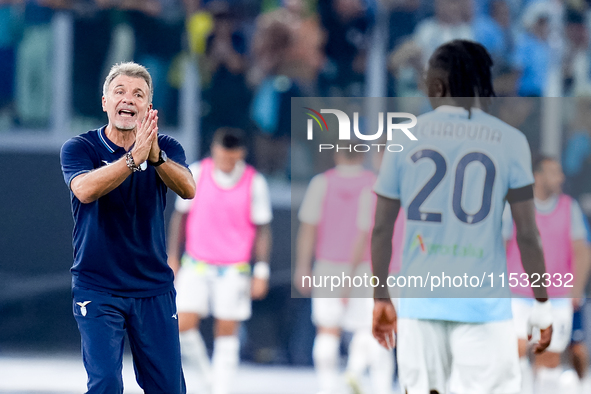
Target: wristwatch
x,y
161,159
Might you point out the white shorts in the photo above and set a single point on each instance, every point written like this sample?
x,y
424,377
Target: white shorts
x,y
562,321
222,291
336,312
349,314
482,358
352,313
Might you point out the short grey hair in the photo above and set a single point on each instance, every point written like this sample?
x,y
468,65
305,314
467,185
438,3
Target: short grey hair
x,y
129,69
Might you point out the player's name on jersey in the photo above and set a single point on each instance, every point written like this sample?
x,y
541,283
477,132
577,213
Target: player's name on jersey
x,y
458,131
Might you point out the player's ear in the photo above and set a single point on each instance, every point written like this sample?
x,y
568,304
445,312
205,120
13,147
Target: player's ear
x,y
104,103
437,88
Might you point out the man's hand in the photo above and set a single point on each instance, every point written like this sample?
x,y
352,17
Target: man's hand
x,y
384,322
540,317
544,342
145,134
154,155
259,288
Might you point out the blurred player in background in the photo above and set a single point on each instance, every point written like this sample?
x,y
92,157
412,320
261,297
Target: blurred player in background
x,y
579,354
121,280
222,229
564,239
327,234
453,185
379,360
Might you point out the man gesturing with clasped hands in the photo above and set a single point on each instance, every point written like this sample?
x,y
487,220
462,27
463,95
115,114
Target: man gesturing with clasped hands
x,y
118,176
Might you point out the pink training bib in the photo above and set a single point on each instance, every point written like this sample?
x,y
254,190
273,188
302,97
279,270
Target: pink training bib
x,y
337,229
555,231
219,226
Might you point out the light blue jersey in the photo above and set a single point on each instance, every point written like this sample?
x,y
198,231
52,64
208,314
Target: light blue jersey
x,y
452,183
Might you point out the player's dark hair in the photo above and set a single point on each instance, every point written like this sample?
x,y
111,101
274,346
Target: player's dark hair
x,y
539,160
230,138
468,67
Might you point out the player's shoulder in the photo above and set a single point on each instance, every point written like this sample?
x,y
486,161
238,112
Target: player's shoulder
x,y
444,113
165,140
321,177
257,176
569,199
507,130
82,141
318,182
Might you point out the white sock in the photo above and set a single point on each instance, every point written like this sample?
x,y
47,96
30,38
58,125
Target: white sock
x,y
326,355
569,382
225,363
527,376
381,367
548,380
195,356
586,383
359,356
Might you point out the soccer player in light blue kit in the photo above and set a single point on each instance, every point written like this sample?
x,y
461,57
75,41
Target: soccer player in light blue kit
x,y
453,183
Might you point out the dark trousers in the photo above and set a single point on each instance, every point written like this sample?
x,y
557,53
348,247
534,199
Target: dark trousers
x,y
152,328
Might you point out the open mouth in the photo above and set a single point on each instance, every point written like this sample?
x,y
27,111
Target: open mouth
x,y
126,113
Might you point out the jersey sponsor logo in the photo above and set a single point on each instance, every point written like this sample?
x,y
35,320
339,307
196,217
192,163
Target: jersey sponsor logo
x,y
82,306
438,249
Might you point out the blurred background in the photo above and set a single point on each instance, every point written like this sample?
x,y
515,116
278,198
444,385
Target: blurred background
x,y
238,63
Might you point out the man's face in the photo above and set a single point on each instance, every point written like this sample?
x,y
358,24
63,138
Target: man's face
x,y
126,101
226,159
551,177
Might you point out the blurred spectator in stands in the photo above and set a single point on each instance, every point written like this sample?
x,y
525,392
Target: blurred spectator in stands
x,y
92,35
33,63
225,93
273,54
148,32
404,16
347,24
10,31
308,47
523,113
157,25
481,8
452,20
406,66
199,24
577,155
576,75
532,53
407,61
495,31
